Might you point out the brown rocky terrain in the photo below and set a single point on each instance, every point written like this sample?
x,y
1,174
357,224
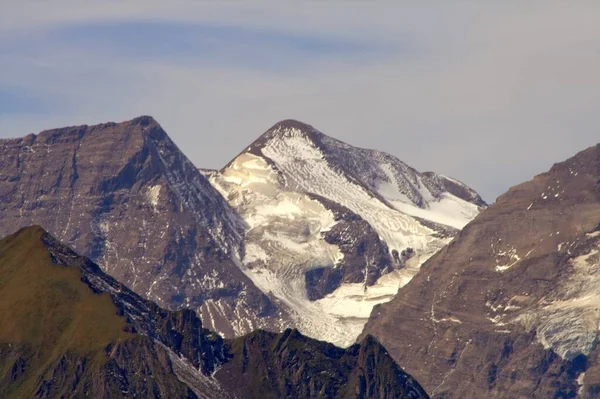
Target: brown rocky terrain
x,y
510,308
124,195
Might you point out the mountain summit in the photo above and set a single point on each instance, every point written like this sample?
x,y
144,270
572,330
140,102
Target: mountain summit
x,y
333,229
124,195
373,170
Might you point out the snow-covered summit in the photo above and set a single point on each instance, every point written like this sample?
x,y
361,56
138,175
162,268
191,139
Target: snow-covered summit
x,y
333,229
379,174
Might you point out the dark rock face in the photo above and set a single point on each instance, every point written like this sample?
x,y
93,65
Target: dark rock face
x,y
290,365
507,310
366,256
150,352
135,368
125,196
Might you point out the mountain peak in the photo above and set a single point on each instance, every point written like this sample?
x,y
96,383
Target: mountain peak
x,y
291,124
282,131
288,128
95,186
143,120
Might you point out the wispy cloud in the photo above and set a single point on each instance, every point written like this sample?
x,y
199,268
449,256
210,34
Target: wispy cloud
x,y
213,45
489,93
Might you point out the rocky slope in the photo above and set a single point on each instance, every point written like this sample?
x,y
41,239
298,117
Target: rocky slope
x,y
68,329
332,229
510,308
125,196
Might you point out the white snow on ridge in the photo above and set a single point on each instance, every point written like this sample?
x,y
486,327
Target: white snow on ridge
x,y
314,175
567,320
286,225
449,211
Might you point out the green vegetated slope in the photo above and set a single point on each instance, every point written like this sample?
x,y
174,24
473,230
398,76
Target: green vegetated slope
x,y
59,338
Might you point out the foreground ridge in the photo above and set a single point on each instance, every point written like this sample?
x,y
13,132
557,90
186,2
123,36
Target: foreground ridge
x,y
68,329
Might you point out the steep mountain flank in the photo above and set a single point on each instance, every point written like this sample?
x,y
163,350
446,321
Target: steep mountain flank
x,y
125,196
333,229
510,308
68,329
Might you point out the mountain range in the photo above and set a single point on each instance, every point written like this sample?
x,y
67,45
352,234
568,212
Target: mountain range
x,y
300,230
227,283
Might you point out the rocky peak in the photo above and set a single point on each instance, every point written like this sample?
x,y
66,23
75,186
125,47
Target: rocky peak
x,y
281,131
127,197
288,364
289,124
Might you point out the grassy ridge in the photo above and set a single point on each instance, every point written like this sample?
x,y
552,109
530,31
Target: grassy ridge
x,y
47,311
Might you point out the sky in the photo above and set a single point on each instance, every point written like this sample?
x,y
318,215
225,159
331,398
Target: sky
x,y
490,93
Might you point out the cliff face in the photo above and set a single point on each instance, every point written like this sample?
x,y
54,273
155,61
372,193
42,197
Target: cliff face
x,y
68,329
509,308
125,196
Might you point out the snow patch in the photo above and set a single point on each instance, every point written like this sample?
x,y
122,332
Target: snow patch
x,y
154,195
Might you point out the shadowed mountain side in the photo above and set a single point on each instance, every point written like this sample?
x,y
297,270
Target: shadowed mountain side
x,y
68,329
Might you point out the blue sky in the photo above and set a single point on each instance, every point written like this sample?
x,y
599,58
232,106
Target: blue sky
x,y
489,93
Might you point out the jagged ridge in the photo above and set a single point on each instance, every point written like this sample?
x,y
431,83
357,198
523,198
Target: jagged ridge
x,y
67,328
